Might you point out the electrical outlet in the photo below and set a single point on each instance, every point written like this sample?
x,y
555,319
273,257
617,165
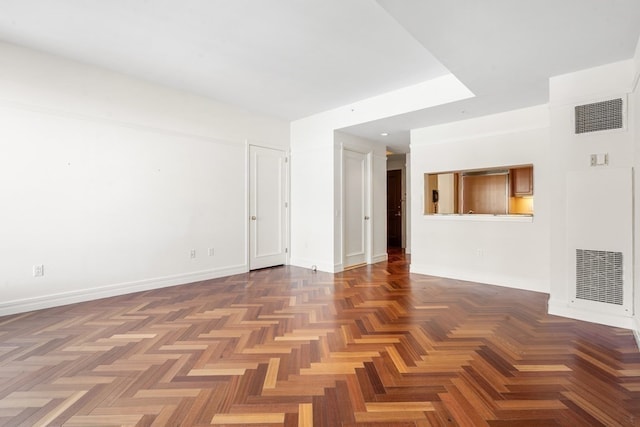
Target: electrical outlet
x,y
38,270
211,252
192,254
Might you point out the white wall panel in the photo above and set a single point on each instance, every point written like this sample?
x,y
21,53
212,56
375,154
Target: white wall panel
x,y
600,219
499,251
578,216
110,182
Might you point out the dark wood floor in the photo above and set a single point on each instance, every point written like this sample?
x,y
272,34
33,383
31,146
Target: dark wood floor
x,y
287,346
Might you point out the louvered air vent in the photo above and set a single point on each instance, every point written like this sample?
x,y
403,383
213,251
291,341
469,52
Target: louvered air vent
x,y
598,116
599,276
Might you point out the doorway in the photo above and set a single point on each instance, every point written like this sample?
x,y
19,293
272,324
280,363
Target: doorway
x,y
357,179
394,208
267,207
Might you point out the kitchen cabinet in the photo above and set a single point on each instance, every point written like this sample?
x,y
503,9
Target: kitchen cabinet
x,y
522,181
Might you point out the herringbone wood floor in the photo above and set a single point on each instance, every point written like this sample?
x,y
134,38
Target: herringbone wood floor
x,y
286,346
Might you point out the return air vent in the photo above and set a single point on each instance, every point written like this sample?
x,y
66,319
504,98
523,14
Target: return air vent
x,y
605,115
599,276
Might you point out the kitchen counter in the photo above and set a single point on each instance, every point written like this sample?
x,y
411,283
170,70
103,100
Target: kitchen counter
x,y
481,217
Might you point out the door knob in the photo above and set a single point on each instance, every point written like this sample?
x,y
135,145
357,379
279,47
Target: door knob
x,y
253,218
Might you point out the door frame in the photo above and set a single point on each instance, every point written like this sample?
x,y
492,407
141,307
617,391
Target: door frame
x,y
368,224
247,208
402,206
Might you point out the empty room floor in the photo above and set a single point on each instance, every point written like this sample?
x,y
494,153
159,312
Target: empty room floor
x,y
287,346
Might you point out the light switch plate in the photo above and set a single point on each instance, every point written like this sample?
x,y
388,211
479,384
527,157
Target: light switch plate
x,y
599,159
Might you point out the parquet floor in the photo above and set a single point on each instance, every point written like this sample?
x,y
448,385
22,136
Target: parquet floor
x,y
287,346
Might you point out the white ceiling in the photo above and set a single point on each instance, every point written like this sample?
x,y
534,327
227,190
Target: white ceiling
x,y
286,58
294,58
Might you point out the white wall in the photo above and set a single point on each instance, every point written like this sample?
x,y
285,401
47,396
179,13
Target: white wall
x,y
313,168
315,162
379,206
636,137
110,181
316,197
409,204
571,227
573,200
396,162
486,250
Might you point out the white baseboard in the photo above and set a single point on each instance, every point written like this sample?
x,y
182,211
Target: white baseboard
x,y
330,268
64,298
480,277
379,258
560,308
320,266
636,330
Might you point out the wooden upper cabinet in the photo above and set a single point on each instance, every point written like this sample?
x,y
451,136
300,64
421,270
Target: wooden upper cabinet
x,y
522,181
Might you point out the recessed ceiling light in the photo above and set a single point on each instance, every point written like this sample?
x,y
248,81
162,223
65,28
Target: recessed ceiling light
x,y
384,134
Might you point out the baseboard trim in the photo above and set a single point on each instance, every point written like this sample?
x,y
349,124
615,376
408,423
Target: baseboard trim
x,y
559,308
331,268
320,266
64,298
636,331
489,279
379,258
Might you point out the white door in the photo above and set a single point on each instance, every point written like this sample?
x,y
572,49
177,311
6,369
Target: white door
x,y
356,200
267,207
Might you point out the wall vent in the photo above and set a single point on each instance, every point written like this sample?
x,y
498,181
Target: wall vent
x,y
605,115
599,276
